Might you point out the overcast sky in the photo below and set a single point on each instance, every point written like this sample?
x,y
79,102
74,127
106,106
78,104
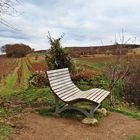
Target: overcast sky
x,y
84,22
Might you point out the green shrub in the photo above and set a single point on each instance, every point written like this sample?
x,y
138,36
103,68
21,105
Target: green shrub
x,y
38,79
57,57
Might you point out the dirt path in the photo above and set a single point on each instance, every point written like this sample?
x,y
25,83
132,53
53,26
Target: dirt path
x,y
113,127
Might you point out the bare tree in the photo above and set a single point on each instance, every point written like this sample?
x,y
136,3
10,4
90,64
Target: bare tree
x,y
7,7
123,41
115,72
119,69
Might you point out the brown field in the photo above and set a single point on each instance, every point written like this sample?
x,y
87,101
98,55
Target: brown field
x,y
18,70
7,65
14,72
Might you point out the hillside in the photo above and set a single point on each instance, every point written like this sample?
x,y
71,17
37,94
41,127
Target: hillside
x,y
108,49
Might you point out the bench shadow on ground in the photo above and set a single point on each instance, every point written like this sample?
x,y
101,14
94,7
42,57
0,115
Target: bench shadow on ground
x,y
74,114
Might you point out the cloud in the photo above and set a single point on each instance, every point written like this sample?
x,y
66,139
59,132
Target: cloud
x,y
84,23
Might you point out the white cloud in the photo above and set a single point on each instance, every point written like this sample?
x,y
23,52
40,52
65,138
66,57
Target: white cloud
x,y
83,22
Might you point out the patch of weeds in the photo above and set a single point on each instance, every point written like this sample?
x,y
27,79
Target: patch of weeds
x,y
135,115
46,111
124,108
105,104
84,87
5,113
37,95
5,131
90,64
30,96
134,138
65,114
8,121
98,82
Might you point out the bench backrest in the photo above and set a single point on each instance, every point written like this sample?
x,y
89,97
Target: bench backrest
x,y
61,83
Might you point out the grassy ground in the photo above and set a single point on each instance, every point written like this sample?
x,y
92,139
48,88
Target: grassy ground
x,y
93,65
41,100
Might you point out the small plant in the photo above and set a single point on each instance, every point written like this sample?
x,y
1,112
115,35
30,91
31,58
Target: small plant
x,y
81,73
57,57
38,79
134,138
5,131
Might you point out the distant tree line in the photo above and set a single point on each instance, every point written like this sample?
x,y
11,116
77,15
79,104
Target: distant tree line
x,y
16,50
116,49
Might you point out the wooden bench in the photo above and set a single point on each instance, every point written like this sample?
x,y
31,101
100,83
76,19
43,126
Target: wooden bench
x,y
65,90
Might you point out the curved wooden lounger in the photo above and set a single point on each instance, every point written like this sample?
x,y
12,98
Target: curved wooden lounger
x,y
65,90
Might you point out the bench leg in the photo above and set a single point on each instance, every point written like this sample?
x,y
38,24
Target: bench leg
x,y
94,107
90,114
56,104
74,108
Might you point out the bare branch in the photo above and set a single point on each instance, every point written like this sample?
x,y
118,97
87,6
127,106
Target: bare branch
x,y
7,7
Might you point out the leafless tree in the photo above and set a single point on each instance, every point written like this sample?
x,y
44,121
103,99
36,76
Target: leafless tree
x,y
119,68
115,72
7,7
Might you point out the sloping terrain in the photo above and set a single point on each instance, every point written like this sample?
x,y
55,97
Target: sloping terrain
x,y
108,49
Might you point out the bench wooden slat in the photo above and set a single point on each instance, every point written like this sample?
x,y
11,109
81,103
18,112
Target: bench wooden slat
x,y
56,89
57,70
59,79
59,73
60,86
73,97
95,93
64,98
85,94
98,94
69,93
66,92
60,82
92,92
102,94
103,97
80,95
53,77
65,88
